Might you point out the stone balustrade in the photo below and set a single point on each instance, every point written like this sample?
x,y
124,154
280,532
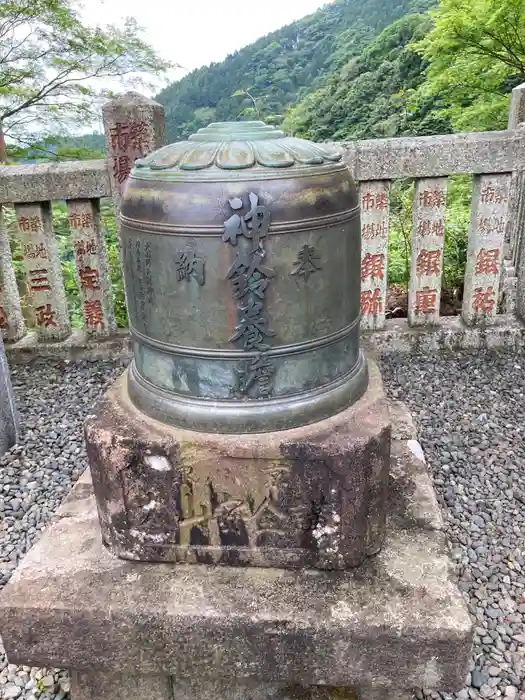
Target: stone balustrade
x,y
494,284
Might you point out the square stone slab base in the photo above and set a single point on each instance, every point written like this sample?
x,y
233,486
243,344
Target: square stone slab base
x,y
195,632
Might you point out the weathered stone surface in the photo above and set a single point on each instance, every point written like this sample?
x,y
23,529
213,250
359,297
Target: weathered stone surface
x,y
87,179
12,325
483,273
92,265
311,496
428,241
451,334
374,199
76,347
134,126
517,107
520,273
514,280
434,156
106,686
97,686
509,288
8,422
395,624
410,484
403,427
43,270
514,265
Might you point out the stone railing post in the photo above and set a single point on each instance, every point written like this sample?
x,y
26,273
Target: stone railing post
x,y
514,262
43,270
488,223
134,126
428,239
374,199
8,425
92,266
12,325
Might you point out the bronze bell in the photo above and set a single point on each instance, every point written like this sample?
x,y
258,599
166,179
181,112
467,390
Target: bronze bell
x,y
242,253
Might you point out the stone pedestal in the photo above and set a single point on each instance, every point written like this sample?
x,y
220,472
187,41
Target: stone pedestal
x,y
8,423
170,631
311,496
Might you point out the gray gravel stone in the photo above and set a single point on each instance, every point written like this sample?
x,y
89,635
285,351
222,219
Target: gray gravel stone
x,y
53,398
477,678
469,410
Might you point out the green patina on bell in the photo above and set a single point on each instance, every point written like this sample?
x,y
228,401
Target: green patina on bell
x,y
242,256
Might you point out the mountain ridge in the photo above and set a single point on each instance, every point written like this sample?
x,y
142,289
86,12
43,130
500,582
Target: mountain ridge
x,y
268,77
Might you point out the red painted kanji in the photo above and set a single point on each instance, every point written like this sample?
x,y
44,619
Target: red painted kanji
x,y
89,279
424,227
484,300
432,198
382,201
86,247
491,224
378,201
487,262
121,168
93,314
373,265
135,134
489,195
81,219
30,224
368,201
373,230
371,302
438,228
38,280
34,251
427,227
426,301
45,316
428,262
138,135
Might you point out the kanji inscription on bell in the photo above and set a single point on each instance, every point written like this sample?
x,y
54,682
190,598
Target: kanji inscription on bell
x,y
238,300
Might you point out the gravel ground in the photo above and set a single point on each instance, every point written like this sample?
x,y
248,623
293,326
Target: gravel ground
x,y
470,411
35,476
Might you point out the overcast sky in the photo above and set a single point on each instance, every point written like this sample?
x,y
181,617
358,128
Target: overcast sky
x,y
194,33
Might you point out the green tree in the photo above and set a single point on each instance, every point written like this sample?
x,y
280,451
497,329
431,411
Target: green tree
x,y
370,94
476,55
54,70
86,147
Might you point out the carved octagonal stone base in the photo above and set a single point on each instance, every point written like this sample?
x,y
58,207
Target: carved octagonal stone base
x,y
312,496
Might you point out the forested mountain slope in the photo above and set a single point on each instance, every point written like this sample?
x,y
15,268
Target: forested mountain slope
x,y
274,72
370,95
